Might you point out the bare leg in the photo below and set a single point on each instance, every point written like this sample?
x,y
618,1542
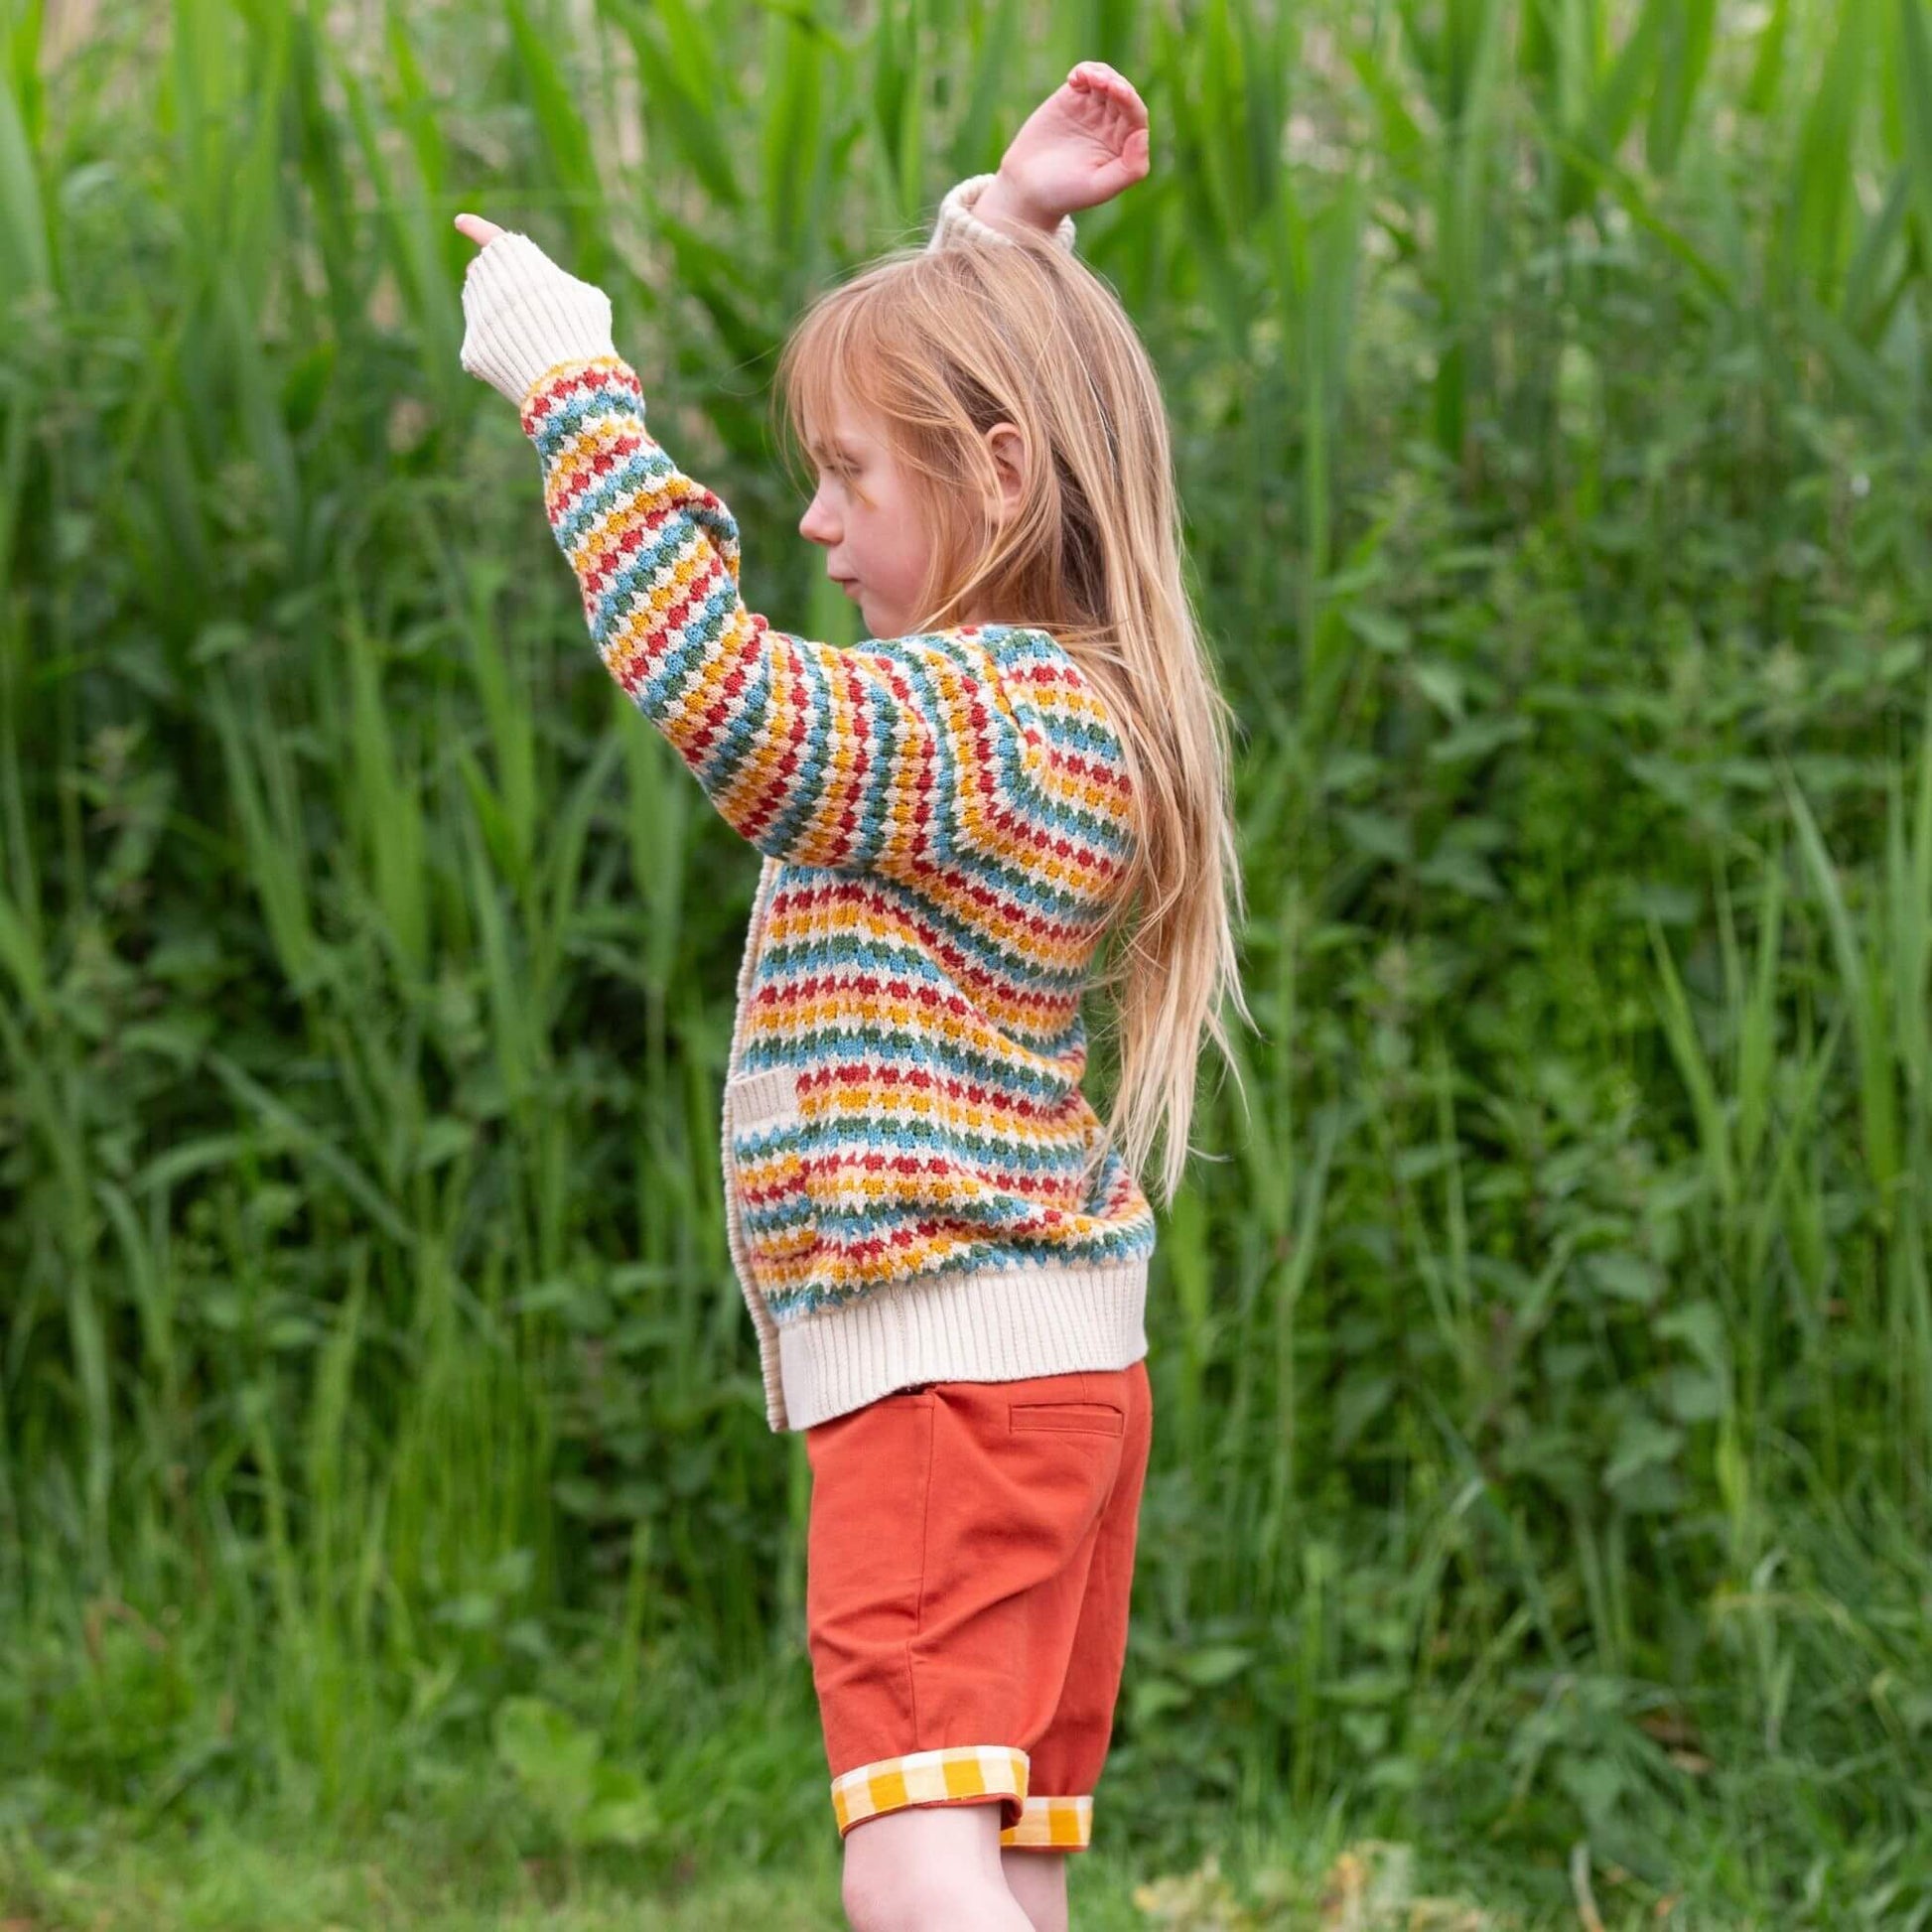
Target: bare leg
x,y
1038,1879
929,1869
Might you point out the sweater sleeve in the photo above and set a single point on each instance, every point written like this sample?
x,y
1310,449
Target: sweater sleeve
x,y
956,220
901,756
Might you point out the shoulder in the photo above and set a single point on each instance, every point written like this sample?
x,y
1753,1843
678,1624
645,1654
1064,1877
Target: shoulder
x,y
1071,749
1036,663
1024,668
1021,655
1002,656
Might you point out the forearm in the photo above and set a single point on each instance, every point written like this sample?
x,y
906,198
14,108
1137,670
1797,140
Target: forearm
x,y
839,759
655,555
903,757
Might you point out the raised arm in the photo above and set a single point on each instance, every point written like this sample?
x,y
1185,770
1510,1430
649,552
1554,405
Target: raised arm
x,y
901,756
898,755
1081,146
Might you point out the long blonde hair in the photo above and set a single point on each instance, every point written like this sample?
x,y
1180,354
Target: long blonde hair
x,y
941,345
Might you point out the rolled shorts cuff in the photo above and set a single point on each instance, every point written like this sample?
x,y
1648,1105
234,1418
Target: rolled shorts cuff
x,y
966,1774
956,1773
1051,1823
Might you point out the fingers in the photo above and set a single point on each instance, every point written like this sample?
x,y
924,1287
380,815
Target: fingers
x,y
1098,77
482,232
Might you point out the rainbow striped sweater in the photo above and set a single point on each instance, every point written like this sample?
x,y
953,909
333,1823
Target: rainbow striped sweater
x,y
945,825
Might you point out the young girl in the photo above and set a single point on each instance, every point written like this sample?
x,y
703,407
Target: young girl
x,y
943,1250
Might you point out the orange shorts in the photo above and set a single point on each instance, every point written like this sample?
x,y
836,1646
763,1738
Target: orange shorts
x,y
969,1558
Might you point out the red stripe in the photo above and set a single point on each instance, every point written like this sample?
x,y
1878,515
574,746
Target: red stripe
x,y
910,1233
914,1167
838,1075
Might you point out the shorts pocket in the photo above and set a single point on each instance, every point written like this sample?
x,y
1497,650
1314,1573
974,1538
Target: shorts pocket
x,y
912,1395
1068,1418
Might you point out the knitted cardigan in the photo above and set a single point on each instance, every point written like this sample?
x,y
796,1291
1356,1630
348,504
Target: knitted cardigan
x,y
945,828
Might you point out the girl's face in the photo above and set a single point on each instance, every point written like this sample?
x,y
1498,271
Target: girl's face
x,y
865,515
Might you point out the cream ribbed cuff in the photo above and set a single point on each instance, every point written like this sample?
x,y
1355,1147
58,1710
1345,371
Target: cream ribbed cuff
x,y
525,315
957,219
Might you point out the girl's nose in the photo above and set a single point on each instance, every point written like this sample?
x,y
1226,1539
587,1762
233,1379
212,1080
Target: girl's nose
x,y
815,526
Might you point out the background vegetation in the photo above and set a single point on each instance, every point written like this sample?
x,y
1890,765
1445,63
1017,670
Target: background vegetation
x,y
1541,1354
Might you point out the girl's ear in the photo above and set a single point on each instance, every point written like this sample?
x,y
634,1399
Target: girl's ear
x,y
1007,449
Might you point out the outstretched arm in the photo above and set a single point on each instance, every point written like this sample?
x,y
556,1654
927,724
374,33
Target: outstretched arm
x,y
901,755
1082,145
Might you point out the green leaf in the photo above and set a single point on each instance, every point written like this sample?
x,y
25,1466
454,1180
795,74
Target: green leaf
x,y
1914,75
1701,1328
25,258
1627,1277
1643,1443
621,1813
553,1756
1216,1663
1693,1395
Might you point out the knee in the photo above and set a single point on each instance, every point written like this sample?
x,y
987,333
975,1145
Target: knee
x,y
928,1869
875,1894
858,1898
866,1901
1038,1883
918,1895
887,1899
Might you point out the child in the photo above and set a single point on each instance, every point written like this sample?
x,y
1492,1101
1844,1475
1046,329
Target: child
x,y
943,1251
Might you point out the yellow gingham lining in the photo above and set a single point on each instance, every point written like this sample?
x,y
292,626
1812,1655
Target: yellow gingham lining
x,y
963,1771
1053,1825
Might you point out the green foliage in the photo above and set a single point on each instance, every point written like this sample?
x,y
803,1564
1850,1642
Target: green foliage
x,y
1542,1351
561,1766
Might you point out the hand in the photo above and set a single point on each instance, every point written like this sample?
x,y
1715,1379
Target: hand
x,y
523,313
1083,144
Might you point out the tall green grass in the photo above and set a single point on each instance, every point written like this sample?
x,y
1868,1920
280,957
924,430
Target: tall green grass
x,y
1543,1361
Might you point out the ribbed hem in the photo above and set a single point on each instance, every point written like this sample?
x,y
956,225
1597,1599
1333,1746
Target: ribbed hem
x,y
992,1324
956,219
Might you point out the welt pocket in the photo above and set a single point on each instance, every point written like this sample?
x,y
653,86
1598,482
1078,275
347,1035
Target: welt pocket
x,y
1067,1418
766,1098
766,1153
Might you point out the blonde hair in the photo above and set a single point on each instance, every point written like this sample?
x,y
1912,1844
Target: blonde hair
x,y
940,345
